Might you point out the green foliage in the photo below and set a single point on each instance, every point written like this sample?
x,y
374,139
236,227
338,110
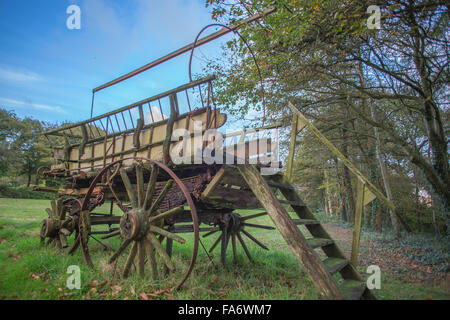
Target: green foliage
x,y
24,193
348,79
23,148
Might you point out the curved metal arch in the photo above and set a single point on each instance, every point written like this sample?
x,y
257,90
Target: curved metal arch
x,y
249,49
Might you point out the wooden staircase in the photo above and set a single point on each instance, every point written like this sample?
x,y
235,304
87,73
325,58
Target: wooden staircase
x,y
322,271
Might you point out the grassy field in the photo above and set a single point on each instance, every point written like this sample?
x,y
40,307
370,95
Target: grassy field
x,y
29,271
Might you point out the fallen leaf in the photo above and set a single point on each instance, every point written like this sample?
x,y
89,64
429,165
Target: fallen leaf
x,y
115,290
93,290
133,290
93,283
143,296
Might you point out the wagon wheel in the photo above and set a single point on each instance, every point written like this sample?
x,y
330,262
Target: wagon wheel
x,y
145,211
57,227
232,226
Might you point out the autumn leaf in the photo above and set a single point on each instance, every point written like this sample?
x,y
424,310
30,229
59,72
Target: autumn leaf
x,y
143,296
115,290
93,283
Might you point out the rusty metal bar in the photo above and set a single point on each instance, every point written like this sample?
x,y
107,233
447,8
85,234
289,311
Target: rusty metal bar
x,y
151,113
185,49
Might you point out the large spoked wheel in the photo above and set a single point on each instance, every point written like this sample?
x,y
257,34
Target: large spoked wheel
x,y
147,204
232,226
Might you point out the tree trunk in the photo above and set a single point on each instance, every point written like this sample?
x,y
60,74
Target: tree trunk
x,y
435,224
343,205
327,194
347,180
29,180
418,213
378,224
387,186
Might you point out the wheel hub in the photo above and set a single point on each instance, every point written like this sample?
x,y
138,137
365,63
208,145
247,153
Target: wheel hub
x,y
132,225
48,228
232,222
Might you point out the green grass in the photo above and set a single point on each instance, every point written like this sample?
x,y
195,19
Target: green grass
x,y
29,271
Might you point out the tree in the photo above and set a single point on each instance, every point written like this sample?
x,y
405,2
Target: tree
x,y
23,147
316,54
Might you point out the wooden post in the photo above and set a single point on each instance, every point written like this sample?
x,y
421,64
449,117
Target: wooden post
x,y
358,222
308,258
290,159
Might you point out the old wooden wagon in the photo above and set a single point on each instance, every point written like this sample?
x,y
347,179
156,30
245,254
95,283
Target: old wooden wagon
x,y
146,162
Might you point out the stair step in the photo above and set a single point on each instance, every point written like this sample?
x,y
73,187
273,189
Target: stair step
x,y
334,265
292,203
280,185
319,242
353,289
305,221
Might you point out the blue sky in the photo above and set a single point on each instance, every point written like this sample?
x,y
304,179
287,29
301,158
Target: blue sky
x,y
48,71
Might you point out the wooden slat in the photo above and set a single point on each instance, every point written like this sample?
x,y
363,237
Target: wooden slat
x,y
279,185
353,289
305,221
334,265
213,184
319,242
292,203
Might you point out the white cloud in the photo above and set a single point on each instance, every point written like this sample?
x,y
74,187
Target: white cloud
x,y
25,104
157,116
19,76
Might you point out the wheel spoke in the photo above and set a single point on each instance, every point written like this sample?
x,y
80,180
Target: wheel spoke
x,y
119,251
60,207
75,244
141,258
161,251
151,258
166,213
128,187
111,234
210,233
215,243
63,240
130,259
160,198
166,234
169,244
49,212
258,226
140,185
224,245
253,216
255,240
54,209
150,187
233,242
244,246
